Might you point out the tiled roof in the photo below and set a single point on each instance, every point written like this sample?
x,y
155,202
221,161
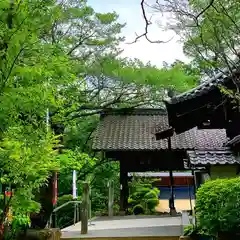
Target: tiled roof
x,y
136,131
219,79
212,157
160,174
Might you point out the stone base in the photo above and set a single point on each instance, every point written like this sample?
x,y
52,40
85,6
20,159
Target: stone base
x,y
173,212
45,234
122,213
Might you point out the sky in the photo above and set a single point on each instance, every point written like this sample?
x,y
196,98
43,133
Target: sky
x,y
130,13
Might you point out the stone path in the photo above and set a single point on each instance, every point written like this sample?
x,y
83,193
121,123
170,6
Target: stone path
x,y
128,227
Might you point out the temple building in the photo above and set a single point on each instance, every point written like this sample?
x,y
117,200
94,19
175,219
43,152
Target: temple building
x,y
128,136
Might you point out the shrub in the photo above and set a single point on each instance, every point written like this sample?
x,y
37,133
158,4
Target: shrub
x,y
156,191
63,199
138,209
132,202
116,208
218,205
195,231
144,185
152,203
20,223
188,230
142,194
152,193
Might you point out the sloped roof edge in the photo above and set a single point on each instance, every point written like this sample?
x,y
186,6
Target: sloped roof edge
x,y
133,111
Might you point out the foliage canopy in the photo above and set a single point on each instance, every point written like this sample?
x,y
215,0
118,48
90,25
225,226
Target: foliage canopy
x,y
62,57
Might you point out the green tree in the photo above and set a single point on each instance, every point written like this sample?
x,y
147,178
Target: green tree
x,y
112,83
44,45
47,49
29,74
115,82
208,29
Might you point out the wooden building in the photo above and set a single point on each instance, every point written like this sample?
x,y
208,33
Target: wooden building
x,y
128,136
209,107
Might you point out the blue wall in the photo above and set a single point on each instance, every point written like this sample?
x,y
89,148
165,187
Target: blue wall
x,y
179,192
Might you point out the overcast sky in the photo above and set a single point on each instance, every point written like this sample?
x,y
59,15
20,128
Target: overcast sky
x,y
130,12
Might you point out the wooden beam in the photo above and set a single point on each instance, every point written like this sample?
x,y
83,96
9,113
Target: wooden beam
x,y
165,134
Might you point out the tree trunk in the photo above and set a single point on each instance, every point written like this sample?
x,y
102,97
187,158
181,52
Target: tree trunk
x,y
44,197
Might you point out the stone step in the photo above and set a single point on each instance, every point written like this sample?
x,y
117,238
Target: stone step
x,y
126,238
145,232
128,228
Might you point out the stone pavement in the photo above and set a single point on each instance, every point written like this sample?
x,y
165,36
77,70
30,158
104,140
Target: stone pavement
x,y
128,227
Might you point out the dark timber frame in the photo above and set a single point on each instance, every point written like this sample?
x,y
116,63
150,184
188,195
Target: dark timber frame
x,y
128,136
207,106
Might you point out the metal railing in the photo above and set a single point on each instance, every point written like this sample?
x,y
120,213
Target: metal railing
x,y
76,215
82,211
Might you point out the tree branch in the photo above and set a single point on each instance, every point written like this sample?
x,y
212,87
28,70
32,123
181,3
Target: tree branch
x,y
147,24
99,164
205,9
80,43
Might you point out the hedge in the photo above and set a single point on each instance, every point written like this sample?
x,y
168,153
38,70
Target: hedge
x,y
218,205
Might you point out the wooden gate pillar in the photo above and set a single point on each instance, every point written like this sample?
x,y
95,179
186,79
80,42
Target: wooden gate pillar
x,y
124,191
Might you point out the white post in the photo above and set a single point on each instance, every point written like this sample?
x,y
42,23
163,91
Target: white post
x,y
74,194
47,119
74,184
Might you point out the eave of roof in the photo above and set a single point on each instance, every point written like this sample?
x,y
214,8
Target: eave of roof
x,y
220,79
133,111
203,103
222,156
160,174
